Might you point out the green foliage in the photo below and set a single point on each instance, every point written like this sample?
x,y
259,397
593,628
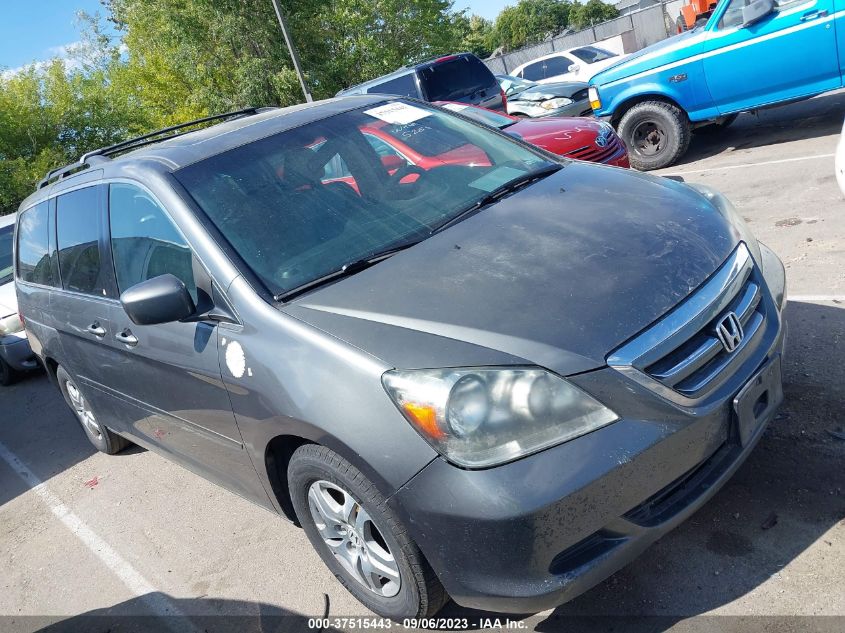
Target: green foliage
x,y
477,35
593,12
530,22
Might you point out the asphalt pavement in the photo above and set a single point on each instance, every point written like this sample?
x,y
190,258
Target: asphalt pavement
x,y
135,535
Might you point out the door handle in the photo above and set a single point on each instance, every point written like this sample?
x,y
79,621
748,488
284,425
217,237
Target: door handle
x,y
126,337
812,15
96,329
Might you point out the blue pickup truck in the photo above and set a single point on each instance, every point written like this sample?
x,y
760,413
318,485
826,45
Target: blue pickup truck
x,y
750,54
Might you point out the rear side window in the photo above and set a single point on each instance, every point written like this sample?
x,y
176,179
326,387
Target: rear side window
x,y
404,86
6,234
144,241
34,263
533,72
78,238
456,78
557,66
592,54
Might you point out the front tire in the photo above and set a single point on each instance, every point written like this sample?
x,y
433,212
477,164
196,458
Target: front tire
x,y
103,439
657,134
359,537
8,375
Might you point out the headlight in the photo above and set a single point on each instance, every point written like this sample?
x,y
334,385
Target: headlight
x,y
554,104
487,416
10,325
593,96
729,212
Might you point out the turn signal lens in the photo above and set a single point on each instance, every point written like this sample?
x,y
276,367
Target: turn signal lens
x,y
595,100
425,418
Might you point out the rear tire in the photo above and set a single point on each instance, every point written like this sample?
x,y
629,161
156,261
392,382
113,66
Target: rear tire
x,y
98,434
357,534
8,375
657,134
716,128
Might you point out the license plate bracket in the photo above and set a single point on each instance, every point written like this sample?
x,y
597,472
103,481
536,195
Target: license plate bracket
x,y
756,403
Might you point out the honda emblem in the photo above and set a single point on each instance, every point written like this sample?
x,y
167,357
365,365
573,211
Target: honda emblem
x,y
729,331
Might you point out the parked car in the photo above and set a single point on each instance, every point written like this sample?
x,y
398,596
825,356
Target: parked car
x,y
749,55
461,77
530,99
575,64
15,355
579,138
498,382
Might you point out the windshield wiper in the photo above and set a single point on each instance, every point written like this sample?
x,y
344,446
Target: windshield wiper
x,y
509,187
346,270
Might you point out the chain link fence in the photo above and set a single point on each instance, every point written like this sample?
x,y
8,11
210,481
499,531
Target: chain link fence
x,y
644,27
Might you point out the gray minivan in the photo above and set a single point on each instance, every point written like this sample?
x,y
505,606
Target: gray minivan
x,y
461,77
497,381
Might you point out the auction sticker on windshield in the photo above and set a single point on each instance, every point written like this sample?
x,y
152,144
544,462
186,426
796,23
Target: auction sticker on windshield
x,y
397,113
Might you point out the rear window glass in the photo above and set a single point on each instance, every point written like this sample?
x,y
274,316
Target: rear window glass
x,y
78,238
34,263
533,71
456,78
592,54
404,86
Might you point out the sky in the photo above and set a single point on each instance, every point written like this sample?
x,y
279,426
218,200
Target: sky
x,y
37,30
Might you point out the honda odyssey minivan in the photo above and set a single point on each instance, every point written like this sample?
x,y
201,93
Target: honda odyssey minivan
x,y
497,381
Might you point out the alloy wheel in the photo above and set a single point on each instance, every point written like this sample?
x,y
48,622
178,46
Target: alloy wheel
x,y
353,538
82,410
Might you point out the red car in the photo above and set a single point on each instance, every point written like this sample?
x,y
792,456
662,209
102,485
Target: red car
x,y
579,138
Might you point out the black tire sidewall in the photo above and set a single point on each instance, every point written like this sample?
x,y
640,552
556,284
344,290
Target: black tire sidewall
x,y
7,374
101,443
671,120
306,468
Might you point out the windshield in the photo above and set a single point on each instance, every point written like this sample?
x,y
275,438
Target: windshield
x,y
514,85
302,204
592,54
6,253
482,115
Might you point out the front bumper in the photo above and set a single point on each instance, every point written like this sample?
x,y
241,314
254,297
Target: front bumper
x,y
15,351
527,536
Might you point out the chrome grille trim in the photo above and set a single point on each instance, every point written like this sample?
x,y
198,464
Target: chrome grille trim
x,y
680,356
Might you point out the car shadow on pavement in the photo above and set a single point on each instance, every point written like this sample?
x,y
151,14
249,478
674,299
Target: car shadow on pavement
x,y
41,431
787,497
191,615
809,119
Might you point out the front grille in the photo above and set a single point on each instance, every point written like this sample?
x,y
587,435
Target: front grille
x,y
596,154
682,352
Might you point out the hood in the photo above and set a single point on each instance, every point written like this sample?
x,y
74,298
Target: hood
x,y
547,132
666,51
8,300
542,92
557,275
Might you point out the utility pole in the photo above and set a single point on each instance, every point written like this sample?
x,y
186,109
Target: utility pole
x,y
292,50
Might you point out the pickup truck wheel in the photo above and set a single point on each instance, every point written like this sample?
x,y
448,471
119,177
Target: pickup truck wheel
x,y
715,128
657,134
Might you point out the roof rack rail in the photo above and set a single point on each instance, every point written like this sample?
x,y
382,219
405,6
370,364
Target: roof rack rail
x,y
98,155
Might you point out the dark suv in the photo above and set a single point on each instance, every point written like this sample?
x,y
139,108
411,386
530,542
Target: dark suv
x,y
497,380
461,77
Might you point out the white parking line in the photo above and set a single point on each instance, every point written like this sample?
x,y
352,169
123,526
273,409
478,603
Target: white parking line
x,y
744,165
128,575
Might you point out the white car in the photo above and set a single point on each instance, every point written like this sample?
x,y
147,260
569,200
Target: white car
x,y
15,354
575,64
840,161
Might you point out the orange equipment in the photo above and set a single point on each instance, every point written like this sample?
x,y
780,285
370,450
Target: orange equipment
x,y
694,12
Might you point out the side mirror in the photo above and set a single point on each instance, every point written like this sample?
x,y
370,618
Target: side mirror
x,y
162,299
393,161
574,68
756,11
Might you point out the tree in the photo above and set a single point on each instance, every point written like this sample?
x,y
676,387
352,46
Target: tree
x,y
530,22
593,12
476,35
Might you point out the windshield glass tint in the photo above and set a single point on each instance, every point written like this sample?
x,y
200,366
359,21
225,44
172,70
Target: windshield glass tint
x,y
6,252
482,115
301,204
592,54
456,78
